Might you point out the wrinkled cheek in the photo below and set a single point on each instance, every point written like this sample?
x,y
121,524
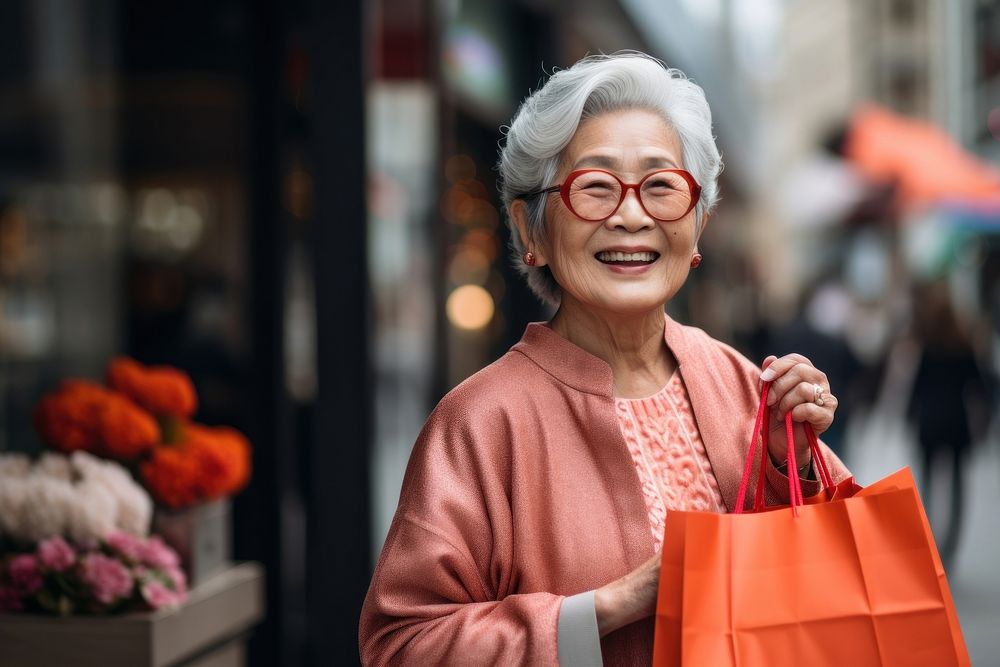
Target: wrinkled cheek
x,y
573,279
677,269
676,276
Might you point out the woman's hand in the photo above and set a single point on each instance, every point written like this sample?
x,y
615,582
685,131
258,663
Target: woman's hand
x,y
794,381
629,599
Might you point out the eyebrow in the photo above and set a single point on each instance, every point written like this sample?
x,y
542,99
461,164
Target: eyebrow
x,y
608,162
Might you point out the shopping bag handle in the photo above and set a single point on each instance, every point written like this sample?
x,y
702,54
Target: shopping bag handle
x,y
762,425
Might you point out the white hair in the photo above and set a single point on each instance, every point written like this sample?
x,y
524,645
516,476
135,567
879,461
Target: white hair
x,y
546,121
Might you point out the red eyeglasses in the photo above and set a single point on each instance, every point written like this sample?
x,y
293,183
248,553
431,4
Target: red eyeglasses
x,y
595,195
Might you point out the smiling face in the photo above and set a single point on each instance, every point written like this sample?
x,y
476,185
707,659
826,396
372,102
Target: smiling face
x,y
630,263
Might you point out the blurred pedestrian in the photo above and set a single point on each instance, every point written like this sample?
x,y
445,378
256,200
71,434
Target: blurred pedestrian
x,y
946,381
817,333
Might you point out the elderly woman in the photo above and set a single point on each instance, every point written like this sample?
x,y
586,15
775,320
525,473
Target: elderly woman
x,y
536,497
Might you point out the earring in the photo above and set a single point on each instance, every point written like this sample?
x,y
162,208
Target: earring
x,y
696,261
529,258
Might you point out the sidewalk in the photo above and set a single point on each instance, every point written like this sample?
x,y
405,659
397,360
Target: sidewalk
x,y
882,446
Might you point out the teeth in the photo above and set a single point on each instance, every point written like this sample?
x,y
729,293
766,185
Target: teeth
x,y
626,256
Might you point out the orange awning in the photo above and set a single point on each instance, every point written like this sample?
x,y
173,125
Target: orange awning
x,y
924,162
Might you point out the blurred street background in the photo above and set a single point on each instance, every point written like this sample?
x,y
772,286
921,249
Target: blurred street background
x,y
296,202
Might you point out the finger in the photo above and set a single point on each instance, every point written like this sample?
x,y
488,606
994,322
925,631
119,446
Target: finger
x,y
780,366
778,443
767,362
802,372
820,418
802,392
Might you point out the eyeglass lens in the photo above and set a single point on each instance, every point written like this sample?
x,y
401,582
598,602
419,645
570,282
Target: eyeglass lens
x,y
595,195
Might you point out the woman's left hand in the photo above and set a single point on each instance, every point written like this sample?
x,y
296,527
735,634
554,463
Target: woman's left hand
x,y
802,389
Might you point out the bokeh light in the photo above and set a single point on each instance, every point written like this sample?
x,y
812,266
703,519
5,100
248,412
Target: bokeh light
x,y
468,265
470,307
459,168
168,224
482,240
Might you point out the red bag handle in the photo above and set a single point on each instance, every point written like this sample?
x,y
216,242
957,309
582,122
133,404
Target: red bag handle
x,y
794,485
762,413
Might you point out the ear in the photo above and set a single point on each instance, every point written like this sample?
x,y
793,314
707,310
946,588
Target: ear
x,y
519,215
701,230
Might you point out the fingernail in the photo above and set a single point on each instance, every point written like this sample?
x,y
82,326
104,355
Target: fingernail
x,y
767,375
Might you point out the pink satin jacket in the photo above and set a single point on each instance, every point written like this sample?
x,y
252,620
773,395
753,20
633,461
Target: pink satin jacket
x,y
520,490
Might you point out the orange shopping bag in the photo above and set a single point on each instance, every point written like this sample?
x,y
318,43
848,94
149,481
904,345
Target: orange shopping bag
x,y
854,579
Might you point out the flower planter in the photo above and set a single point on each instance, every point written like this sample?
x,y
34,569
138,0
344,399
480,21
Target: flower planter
x,y
200,535
210,629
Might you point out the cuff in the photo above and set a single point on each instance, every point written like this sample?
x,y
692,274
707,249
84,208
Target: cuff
x,y
579,639
778,481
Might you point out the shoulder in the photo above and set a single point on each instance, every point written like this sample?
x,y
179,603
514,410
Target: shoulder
x,y
468,438
491,390
478,418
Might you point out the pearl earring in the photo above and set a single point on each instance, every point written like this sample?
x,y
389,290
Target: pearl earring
x,y
696,261
529,258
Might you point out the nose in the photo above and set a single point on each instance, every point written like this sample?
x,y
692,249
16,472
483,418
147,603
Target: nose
x,y
630,216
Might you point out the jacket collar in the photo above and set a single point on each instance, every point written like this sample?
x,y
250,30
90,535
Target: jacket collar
x,y
703,375
581,370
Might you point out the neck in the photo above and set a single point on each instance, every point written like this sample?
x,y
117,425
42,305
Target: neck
x,y
632,344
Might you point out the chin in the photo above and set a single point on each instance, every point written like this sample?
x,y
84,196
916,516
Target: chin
x,y
627,302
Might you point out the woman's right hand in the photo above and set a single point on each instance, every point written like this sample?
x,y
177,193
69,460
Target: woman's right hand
x,y
629,599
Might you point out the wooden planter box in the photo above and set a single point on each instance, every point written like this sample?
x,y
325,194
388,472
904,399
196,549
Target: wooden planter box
x,y
210,630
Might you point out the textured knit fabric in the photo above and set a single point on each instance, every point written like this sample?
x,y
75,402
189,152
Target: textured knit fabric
x,y
520,492
669,456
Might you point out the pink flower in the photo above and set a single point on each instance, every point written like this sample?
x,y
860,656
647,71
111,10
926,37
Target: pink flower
x,y
10,599
24,574
107,577
156,553
176,577
157,595
55,554
129,546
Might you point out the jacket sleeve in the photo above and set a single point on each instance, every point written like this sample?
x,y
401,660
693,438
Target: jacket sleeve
x,y
776,482
427,606
439,594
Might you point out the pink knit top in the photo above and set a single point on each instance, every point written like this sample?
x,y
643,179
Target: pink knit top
x,y
668,453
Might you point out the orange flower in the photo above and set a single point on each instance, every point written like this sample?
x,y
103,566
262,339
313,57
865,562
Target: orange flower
x,y
84,415
163,390
68,419
187,463
240,459
208,463
171,476
126,429
225,459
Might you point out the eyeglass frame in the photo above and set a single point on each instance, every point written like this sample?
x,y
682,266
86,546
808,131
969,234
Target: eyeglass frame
x,y
563,190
